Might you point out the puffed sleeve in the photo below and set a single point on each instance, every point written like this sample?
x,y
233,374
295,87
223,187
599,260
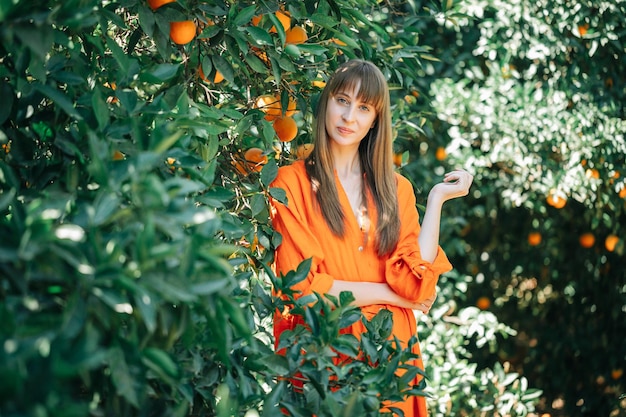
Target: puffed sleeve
x,y
406,272
299,240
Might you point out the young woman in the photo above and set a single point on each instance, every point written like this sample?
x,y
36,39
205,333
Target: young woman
x,y
356,217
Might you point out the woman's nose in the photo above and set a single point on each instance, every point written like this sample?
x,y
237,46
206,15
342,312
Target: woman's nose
x,y
348,114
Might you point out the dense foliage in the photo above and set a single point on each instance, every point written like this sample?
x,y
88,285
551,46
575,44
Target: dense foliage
x,y
135,246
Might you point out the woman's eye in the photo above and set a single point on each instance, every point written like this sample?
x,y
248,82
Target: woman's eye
x,y
342,100
365,108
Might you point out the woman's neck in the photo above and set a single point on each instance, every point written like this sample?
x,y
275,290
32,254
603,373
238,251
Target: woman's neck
x,y
347,163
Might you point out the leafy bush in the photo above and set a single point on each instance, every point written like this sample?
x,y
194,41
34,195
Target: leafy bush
x,y
135,246
528,96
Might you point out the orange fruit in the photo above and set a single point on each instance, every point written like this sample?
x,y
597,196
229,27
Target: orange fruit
x,y
617,373
255,159
534,238
556,201
397,159
483,303
291,107
201,74
587,240
118,156
286,128
256,20
610,242
270,105
440,153
318,83
622,192
303,151
582,29
285,20
592,173
155,4
218,77
182,32
296,35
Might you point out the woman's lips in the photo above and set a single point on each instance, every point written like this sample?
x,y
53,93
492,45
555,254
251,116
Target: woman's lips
x,y
345,130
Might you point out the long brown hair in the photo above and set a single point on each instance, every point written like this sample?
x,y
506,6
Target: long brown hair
x,y
375,154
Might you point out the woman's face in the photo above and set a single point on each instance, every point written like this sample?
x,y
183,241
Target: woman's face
x,y
348,119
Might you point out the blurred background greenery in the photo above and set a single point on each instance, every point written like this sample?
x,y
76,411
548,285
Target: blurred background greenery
x,y
134,172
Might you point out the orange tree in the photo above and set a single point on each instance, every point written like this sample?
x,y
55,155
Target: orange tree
x,y
530,97
135,169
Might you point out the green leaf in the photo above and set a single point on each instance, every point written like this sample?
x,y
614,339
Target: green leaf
x,y
60,99
119,55
105,206
39,39
257,204
6,92
300,274
279,195
259,36
159,73
224,67
100,109
269,172
216,284
244,16
160,362
256,64
122,377
6,198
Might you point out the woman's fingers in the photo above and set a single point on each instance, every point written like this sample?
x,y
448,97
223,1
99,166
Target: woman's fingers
x,y
426,305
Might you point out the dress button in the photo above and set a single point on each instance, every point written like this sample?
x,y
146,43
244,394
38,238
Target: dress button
x,y
360,248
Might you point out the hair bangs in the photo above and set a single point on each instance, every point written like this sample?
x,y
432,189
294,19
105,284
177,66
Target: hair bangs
x,y
372,88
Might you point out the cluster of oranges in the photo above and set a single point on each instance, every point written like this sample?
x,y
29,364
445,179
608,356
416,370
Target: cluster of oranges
x,y
586,240
285,128
293,35
283,122
181,32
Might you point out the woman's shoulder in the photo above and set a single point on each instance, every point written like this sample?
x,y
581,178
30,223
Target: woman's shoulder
x,y
404,185
292,173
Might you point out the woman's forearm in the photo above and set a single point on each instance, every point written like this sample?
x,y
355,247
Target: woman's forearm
x,y
428,238
369,293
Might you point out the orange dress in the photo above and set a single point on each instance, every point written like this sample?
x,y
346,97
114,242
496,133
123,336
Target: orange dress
x,y
306,235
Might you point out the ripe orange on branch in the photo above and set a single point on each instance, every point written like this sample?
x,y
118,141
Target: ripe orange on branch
x,y
216,80
285,20
155,4
255,158
440,153
587,240
182,32
296,35
304,150
556,201
534,238
286,128
483,303
397,159
270,105
610,242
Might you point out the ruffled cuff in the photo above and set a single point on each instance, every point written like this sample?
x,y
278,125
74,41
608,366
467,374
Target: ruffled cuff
x,y
412,277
